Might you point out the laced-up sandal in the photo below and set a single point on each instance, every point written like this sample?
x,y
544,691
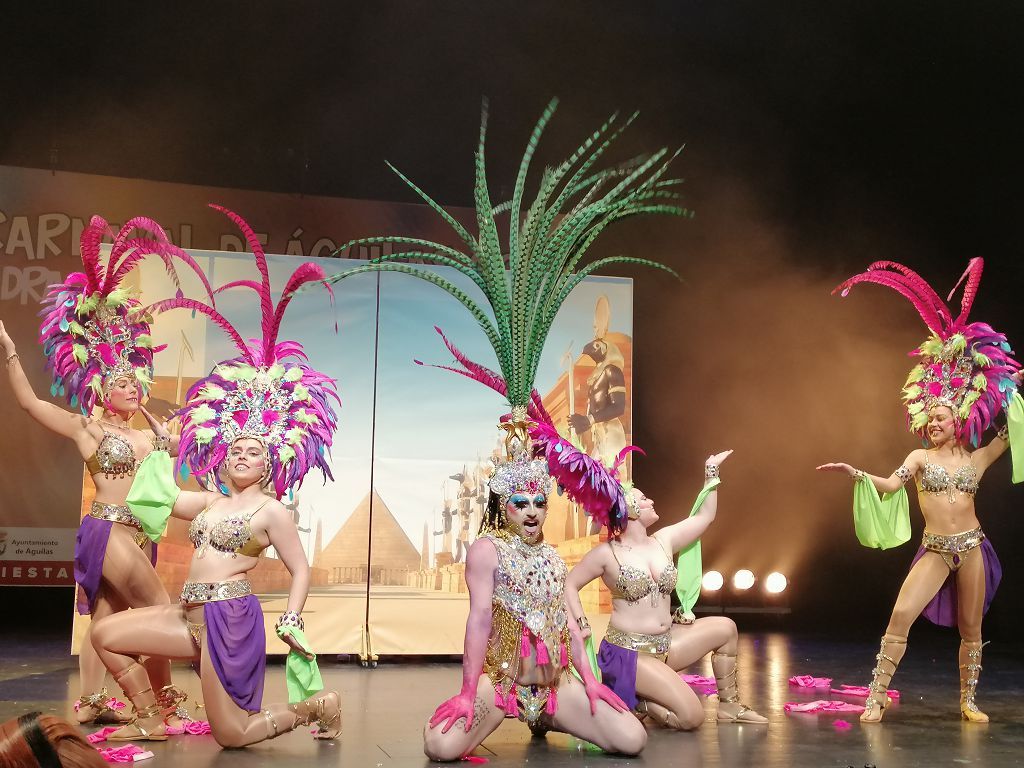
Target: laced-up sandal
x,y
144,712
728,692
104,713
171,700
878,698
969,683
319,711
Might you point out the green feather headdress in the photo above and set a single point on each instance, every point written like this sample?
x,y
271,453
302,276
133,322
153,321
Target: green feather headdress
x,y
547,247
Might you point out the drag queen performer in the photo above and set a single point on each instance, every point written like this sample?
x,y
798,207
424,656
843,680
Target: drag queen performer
x,y
519,643
965,378
98,348
257,423
643,652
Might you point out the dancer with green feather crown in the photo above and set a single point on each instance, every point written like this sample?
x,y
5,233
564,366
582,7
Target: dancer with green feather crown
x,y
520,641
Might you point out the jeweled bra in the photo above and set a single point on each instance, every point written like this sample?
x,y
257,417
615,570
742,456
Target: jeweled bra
x,y
230,536
935,478
114,457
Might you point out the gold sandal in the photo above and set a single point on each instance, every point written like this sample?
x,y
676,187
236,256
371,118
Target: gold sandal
x,y
878,698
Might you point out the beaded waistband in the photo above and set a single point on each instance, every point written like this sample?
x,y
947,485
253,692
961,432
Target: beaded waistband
x,y
958,543
209,592
656,645
115,513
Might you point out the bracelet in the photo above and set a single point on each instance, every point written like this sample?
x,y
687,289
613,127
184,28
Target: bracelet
x,y
291,619
161,442
711,471
1004,433
858,475
583,623
12,357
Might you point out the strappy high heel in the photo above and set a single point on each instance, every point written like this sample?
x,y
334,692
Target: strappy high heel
x,y
969,683
878,698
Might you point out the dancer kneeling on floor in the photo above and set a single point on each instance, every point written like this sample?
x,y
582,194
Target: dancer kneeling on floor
x,y
643,651
258,421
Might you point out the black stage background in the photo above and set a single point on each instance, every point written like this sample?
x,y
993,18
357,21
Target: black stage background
x,y
820,137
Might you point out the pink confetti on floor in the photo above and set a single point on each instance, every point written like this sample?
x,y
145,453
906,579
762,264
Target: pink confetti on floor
x,y
126,754
862,691
821,706
841,725
190,728
101,735
704,685
809,681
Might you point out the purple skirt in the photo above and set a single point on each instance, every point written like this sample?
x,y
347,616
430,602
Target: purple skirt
x,y
237,648
618,671
942,609
90,550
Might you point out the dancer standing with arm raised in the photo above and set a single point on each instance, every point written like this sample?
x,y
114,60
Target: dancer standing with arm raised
x,y
965,378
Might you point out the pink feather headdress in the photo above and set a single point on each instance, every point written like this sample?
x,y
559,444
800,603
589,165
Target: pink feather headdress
x,y
94,331
967,367
585,480
268,392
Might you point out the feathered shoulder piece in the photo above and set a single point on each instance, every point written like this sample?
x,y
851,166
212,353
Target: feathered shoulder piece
x,y
967,367
268,392
93,331
584,479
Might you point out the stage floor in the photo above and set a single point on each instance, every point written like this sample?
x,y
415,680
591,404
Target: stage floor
x,y
384,710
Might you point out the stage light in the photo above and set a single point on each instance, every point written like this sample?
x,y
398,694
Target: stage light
x,y
775,583
712,581
743,579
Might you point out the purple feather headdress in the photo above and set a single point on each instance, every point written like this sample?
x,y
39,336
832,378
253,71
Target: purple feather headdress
x,y
94,331
268,392
585,480
967,367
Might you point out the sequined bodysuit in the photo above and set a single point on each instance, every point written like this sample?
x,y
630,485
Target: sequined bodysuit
x,y
528,612
230,536
634,584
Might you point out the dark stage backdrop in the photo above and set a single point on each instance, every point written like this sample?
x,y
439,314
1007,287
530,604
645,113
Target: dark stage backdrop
x,y
819,137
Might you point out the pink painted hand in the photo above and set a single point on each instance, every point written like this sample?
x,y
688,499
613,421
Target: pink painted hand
x,y
456,707
597,692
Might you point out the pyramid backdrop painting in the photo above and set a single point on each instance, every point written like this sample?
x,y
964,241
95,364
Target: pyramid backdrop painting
x,y
387,537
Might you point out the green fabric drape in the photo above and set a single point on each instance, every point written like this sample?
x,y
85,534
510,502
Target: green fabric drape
x,y
880,522
153,493
301,675
1015,424
689,561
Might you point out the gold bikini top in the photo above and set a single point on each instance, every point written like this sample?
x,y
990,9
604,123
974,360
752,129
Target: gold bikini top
x,y
935,478
114,457
634,584
230,536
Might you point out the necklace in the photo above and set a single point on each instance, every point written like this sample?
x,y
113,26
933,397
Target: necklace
x,y
123,427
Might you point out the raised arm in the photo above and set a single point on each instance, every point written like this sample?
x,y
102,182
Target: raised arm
x,y
591,567
481,565
987,455
913,464
680,535
66,423
160,432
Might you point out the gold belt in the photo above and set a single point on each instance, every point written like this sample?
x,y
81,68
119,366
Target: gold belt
x,y
958,543
118,513
655,645
211,591
115,513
